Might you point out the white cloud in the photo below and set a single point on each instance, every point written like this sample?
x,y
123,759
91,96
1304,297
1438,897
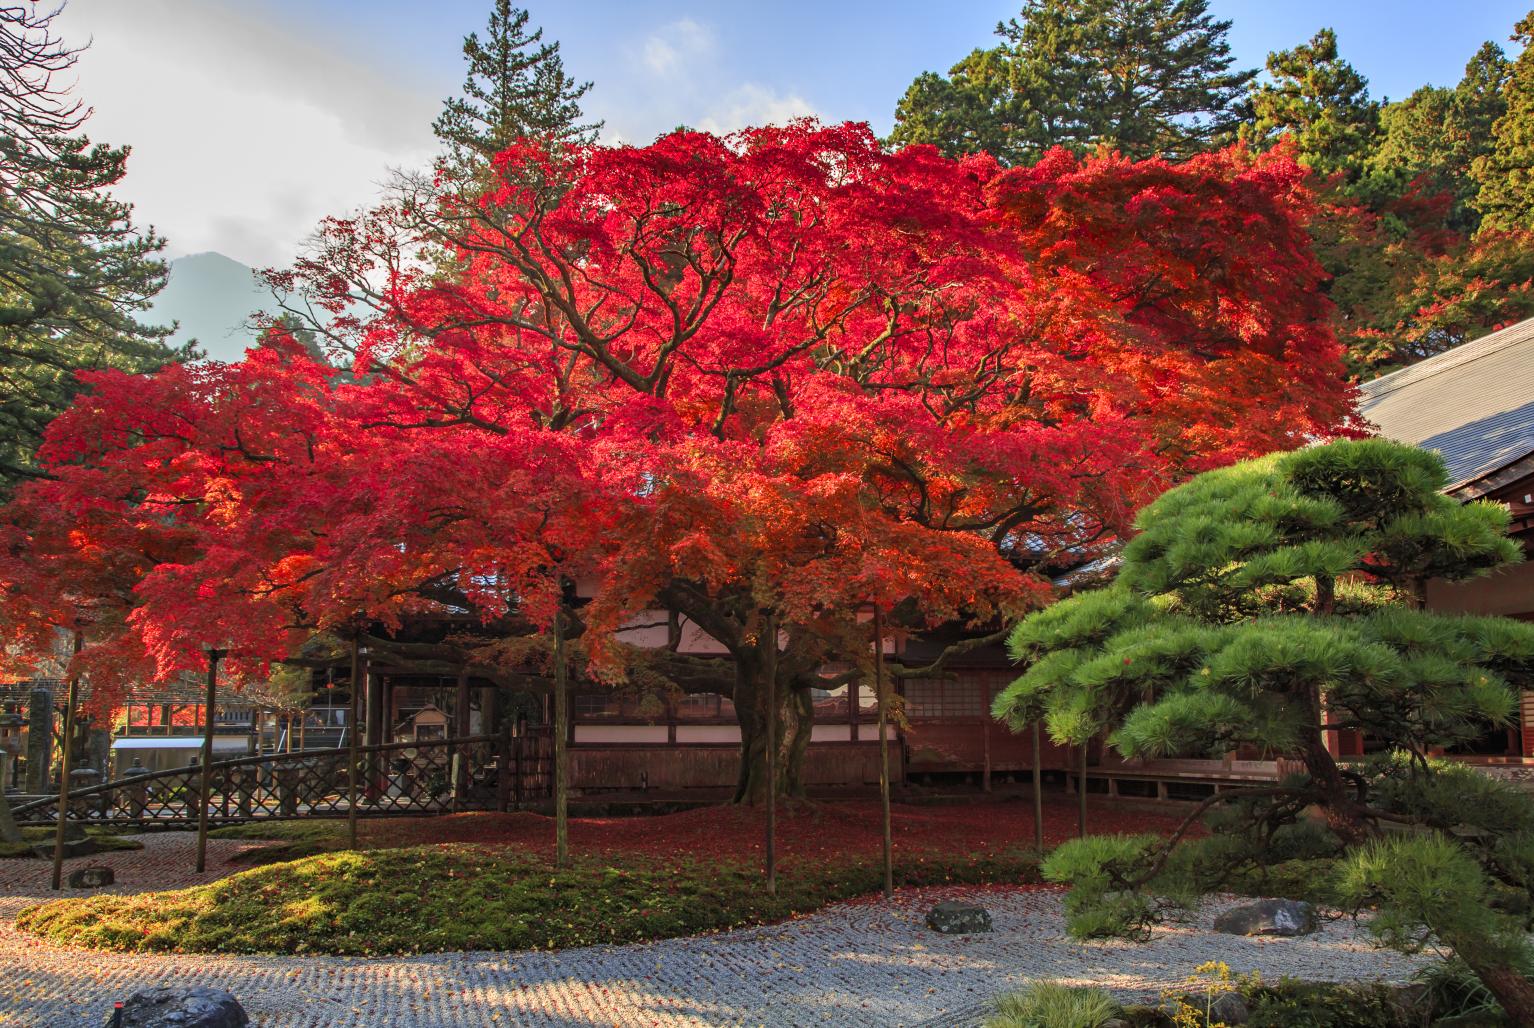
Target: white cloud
x,y
752,104
667,51
244,133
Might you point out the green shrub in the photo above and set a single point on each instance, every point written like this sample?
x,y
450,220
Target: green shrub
x,y
1052,1005
1454,992
1292,1004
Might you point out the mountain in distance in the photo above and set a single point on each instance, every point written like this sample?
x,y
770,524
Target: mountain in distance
x,y
213,297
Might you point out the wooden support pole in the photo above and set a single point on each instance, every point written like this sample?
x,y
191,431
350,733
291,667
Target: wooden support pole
x,y
66,765
1038,791
884,755
351,742
461,729
1081,814
561,748
770,672
205,790
985,735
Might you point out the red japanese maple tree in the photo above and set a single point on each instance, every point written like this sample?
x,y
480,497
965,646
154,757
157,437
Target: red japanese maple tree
x,y
782,374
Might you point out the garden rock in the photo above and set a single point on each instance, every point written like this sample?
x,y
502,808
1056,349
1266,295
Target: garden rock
x,y
91,877
952,918
196,1007
1268,917
1229,1008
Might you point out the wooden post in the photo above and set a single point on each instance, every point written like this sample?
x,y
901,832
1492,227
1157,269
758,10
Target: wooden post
x,y
985,735
561,749
884,755
1081,784
66,765
205,791
1038,791
461,729
770,672
351,743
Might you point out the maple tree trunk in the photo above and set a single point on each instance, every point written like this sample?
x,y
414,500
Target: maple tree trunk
x,y
796,715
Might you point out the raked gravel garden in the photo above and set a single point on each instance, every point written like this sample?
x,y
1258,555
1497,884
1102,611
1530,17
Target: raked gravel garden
x,y
865,962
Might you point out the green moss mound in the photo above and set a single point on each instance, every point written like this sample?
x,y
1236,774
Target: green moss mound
x,y
457,897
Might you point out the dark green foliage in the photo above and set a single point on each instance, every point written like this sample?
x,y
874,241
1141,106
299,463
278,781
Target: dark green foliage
x,y
1227,627
1321,102
1146,77
74,273
1435,136
1430,890
516,87
1506,171
1292,1004
1096,868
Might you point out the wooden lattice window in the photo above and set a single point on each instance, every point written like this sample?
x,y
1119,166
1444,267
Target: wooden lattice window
x,y
943,698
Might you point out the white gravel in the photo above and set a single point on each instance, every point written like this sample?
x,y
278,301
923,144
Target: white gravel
x,y
855,964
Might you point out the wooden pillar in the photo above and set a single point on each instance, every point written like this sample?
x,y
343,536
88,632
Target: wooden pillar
x,y
205,790
770,673
561,745
461,729
351,743
1081,786
72,697
884,755
1038,790
377,714
985,733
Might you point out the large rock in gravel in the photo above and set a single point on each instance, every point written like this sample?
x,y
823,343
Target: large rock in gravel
x,y
91,877
953,918
196,1007
1268,917
1229,1008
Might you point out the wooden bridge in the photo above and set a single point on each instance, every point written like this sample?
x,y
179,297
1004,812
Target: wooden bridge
x,y
481,772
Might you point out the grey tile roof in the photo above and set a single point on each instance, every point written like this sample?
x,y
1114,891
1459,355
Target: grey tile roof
x,y
1474,404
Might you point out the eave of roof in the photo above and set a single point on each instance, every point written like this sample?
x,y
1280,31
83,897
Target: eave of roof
x,y
1473,404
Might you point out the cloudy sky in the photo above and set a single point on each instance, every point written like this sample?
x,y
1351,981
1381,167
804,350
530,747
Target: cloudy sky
x,y
251,119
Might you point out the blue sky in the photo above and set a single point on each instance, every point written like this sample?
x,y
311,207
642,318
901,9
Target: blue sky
x,y
855,57
252,118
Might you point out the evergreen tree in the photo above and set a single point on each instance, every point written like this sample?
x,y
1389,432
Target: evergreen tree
x,y
516,87
1506,173
1147,77
1431,140
1321,102
73,271
1259,606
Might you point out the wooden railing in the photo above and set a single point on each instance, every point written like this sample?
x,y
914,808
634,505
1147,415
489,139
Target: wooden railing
x,y
399,778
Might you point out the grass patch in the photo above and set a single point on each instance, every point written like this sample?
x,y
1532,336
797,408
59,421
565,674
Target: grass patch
x,y
1046,1004
454,897
105,840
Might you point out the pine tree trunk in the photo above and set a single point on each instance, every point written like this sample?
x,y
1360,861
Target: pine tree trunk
x,y
1339,805
796,714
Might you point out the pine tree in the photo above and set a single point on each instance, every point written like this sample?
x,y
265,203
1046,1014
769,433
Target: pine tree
x,y
1146,77
1266,603
1506,173
1431,140
516,87
73,271
1321,102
